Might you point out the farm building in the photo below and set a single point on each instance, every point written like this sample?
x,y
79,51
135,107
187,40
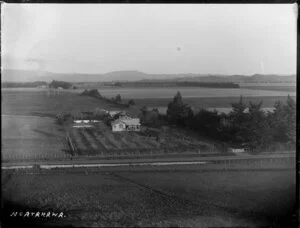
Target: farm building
x,y
237,150
113,113
126,124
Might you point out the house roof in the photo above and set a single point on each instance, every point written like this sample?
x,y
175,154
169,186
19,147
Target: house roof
x,y
117,121
134,121
113,112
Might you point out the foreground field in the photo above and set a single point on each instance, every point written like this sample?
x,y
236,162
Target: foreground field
x,y
31,137
162,198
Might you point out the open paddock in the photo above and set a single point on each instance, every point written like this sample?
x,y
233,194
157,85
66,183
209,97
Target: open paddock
x,y
38,103
32,138
178,196
189,92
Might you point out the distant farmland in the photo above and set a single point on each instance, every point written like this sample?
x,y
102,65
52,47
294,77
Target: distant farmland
x,y
188,92
32,137
37,102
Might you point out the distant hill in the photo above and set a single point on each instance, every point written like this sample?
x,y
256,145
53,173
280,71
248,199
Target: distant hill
x,y
241,78
10,75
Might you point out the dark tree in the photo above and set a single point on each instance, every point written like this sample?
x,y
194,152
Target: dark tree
x,y
131,102
178,112
259,131
290,110
118,98
206,123
56,84
239,107
238,120
283,121
92,93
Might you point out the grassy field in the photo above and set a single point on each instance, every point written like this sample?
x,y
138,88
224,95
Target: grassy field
x,y
154,198
28,102
31,137
273,88
188,92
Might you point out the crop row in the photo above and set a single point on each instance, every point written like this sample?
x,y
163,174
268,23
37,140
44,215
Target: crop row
x,y
97,142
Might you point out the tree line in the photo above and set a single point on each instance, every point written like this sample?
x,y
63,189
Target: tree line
x,y
56,84
246,125
23,84
115,100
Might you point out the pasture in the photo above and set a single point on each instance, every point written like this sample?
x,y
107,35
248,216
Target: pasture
x,y
30,102
31,138
37,102
273,88
156,197
188,92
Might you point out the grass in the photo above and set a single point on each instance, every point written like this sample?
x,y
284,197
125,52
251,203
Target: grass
x,y
157,198
28,102
188,92
39,103
31,137
273,88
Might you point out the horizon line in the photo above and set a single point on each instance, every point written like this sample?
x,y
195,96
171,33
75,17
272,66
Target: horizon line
x,y
199,74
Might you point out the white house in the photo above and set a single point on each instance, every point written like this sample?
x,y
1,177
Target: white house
x,y
126,124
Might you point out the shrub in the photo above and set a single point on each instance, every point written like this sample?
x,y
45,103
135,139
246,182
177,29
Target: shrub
x,y
131,102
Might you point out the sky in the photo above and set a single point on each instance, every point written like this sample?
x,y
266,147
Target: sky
x,y
155,39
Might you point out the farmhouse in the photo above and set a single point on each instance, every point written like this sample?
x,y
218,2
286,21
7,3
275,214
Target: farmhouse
x,y
126,124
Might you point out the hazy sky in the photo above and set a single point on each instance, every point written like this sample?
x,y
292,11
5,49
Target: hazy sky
x,y
192,38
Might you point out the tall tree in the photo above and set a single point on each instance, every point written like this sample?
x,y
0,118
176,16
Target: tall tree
x,y
239,107
131,102
238,120
290,112
279,122
178,112
118,98
259,131
206,123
